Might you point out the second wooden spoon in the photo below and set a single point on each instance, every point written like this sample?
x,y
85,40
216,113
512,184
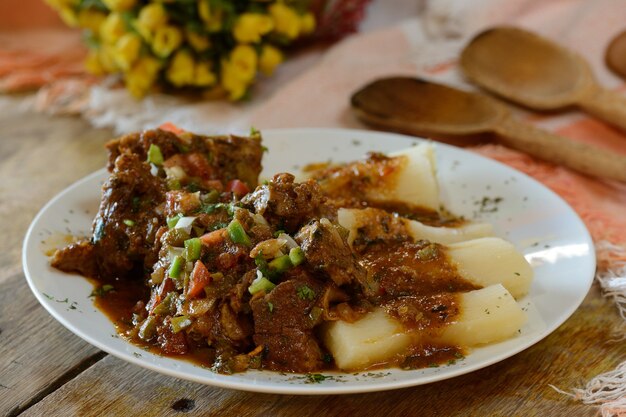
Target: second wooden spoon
x,y
615,56
419,107
535,72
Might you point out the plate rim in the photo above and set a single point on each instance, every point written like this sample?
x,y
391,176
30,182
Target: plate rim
x,y
311,389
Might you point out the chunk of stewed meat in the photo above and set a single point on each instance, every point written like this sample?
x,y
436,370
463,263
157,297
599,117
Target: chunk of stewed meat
x,y
125,227
285,202
223,158
292,350
328,252
283,322
290,304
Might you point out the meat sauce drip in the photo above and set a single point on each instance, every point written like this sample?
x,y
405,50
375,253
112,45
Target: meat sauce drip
x,y
188,291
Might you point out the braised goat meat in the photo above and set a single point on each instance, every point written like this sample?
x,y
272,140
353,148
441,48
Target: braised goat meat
x,y
284,321
286,203
243,279
126,224
124,241
328,253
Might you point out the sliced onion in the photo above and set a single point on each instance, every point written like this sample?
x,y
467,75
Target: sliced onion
x,y
185,223
260,220
288,240
175,172
270,249
173,252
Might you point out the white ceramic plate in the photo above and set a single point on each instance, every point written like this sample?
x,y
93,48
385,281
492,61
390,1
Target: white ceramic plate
x,y
543,227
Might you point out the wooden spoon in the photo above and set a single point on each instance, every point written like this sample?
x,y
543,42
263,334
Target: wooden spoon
x,y
616,55
532,71
419,107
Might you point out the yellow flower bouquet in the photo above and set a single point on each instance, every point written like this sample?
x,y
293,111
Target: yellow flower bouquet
x,y
217,46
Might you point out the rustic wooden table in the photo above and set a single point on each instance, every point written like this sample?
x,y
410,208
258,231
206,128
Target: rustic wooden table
x,y
46,370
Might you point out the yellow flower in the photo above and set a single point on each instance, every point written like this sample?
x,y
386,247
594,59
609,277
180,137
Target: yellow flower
x,y
119,5
150,18
181,69
166,40
251,26
197,41
212,18
204,10
142,75
93,64
91,19
307,23
286,20
106,55
127,50
62,4
269,60
235,86
68,16
204,77
112,28
238,72
244,61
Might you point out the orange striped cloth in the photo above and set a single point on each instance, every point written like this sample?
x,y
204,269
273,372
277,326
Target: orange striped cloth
x,y
35,48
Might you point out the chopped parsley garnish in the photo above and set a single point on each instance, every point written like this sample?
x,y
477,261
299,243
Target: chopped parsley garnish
x,y
102,290
264,267
270,307
315,378
305,293
210,208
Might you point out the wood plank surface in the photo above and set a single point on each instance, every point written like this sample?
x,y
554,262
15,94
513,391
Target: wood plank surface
x,y
39,156
37,354
515,387
46,371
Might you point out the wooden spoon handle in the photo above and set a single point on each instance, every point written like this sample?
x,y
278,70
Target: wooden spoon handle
x,y
607,105
578,156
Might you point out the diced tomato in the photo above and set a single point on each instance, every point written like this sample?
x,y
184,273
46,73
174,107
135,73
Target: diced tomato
x,y
237,187
199,165
194,164
200,278
215,237
171,127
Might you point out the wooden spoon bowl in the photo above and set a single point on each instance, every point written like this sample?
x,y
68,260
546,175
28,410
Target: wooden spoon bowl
x,y
424,108
430,108
524,67
537,73
616,55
